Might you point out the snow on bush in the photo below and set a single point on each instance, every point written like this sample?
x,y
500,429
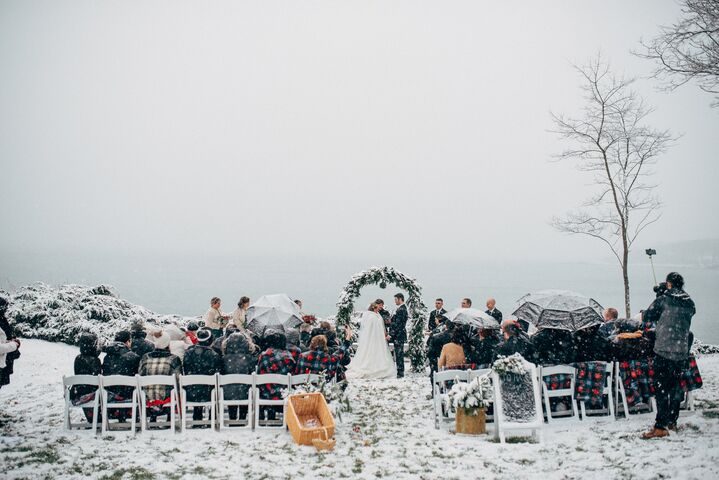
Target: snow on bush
x,y
513,364
473,395
704,349
63,313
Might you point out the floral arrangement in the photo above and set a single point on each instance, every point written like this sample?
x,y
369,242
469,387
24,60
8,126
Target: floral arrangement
x,y
334,393
511,365
471,396
309,319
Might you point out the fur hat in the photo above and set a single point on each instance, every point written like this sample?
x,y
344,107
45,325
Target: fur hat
x,y
161,342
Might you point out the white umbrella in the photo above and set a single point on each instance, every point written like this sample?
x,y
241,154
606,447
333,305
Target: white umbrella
x,y
472,317
276,311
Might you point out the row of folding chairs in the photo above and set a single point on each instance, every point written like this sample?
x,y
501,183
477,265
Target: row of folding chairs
x,y
104,400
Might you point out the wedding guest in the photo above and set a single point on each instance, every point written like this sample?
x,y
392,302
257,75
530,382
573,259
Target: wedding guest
x,y
319,359
276,359
553,346
191,332
482,347
398,332
382,312
219,341
293,342
214,319
200,359
492,310
159,362
610,316
466,303
120,360
326,329
140,344
452,354
238,358
514,340
436,316
591,345
86,363
239,316
9,345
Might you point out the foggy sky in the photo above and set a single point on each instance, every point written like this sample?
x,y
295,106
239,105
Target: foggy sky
x,y
380,129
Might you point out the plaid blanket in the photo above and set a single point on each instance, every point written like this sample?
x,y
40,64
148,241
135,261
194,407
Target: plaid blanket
x,y
638,379
591,379
558,381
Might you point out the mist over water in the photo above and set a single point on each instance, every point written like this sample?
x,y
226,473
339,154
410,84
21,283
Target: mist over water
x,y
183,284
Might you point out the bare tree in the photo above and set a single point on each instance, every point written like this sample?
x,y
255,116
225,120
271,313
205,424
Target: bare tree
x,y
610,140
689,49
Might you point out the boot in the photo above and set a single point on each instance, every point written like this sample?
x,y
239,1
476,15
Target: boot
x,y
655,433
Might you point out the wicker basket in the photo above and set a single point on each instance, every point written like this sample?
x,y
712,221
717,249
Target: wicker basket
x,y
310,420
471,424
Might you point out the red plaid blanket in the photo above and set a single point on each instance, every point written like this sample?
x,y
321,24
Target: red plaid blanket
x,y
638,379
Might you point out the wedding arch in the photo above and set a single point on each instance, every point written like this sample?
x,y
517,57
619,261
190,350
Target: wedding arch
x,y
415,308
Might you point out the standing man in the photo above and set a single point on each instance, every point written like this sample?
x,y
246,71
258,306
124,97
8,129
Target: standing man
x,y
214,319
492,311
398,332
672,312
466,303
436,316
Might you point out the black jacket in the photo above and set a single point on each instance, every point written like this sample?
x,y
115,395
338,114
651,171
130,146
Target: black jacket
x,y
120,360
590,345
140,346
481,351
237,360
553,347
672,314
398,325
200,360
433,322
496,314
87,363
520,344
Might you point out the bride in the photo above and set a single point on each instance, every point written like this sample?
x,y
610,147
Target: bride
x,y
373,359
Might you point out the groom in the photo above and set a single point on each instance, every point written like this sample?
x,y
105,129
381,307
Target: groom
x,y
398,332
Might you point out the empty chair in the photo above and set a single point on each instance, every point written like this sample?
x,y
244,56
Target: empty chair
x,y
210,402
269,407
236,394
129,400
158,407
88,401
550,391
441,383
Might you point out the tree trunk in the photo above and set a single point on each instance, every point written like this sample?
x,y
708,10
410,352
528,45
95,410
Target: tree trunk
x,y
625,276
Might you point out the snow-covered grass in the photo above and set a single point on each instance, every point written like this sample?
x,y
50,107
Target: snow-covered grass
x,y
393,437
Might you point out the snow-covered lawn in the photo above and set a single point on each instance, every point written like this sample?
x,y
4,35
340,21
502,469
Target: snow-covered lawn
x,y
395,438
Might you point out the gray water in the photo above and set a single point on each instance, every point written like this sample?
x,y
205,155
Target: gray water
x,y
183,284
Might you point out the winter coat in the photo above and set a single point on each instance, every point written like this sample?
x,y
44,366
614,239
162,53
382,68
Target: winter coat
x,y
553,347
329,334
200,360
452,355
481,351
520,344
87,363
672,314
590,345
120,360
159,362
6,346
238,359
141,346
318,361
398,325
278,362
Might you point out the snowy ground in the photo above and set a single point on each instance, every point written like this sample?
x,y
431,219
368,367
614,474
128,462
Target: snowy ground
x,y
396,439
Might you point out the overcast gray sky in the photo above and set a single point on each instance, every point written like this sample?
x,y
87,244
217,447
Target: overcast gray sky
x,y
305,127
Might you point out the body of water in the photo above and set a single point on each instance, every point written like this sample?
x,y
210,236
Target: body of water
x,y
183,284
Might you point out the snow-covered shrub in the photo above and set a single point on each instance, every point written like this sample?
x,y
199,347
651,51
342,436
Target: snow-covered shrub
x,y
704,349
513,364
63,313
471,396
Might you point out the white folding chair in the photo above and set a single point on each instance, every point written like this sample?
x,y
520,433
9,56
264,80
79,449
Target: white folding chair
x,y
94,402
502,425
271,379
131,403
606,390
165,380
211,404
304,378
562,392
620,399
442,408
236,379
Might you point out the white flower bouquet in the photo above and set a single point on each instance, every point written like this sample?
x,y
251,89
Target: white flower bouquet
x,y
511,365
471,396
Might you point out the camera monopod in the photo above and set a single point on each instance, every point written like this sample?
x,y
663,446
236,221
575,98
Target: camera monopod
x,y
651,252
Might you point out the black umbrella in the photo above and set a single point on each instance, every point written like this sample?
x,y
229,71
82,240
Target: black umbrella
x,y
559,309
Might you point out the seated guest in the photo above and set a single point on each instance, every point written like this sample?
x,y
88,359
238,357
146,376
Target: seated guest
x,y
319,359
214,319
492,310
553,346
591,345
87,363
218,341
276,359
140,344
238,358
452,354
326,329
191,332
514,340
481,347
120,360
239,316
293,342
437,339
159,362
201,359
610,316
179,341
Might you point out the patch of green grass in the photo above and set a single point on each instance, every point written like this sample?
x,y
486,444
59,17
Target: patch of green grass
x,y
47,454
132,473
358,466
711,414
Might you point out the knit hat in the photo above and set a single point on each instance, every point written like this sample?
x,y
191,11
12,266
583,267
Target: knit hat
x,y
193,326
204,336
161,342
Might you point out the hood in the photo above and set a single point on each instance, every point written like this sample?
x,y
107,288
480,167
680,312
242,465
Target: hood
x,y
679,296
237,344
116,348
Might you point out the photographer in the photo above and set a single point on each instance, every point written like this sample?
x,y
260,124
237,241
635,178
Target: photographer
x,y
672,313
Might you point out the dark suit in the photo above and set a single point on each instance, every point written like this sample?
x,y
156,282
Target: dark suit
x,y
433,322
398,332
496,314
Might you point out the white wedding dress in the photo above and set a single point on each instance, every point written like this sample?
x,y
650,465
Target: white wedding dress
x,y
373,358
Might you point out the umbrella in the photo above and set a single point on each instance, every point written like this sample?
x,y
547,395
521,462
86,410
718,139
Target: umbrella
x,y
472,317
559,309
273,311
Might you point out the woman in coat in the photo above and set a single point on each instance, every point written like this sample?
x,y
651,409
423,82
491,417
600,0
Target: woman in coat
x,y
238,359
